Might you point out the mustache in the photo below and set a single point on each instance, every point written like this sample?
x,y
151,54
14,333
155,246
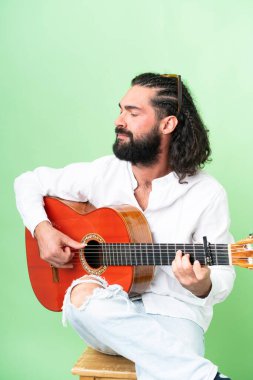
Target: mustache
x,y
122,131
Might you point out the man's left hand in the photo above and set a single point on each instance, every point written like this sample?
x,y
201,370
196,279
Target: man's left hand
x,y
195,278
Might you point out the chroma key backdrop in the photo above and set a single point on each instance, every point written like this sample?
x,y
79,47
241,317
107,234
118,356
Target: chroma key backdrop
x,y
64,66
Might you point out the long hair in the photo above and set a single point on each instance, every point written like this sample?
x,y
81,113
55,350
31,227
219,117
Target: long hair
x,y
189,147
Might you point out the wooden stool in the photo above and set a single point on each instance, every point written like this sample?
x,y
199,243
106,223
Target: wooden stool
x,y
93,365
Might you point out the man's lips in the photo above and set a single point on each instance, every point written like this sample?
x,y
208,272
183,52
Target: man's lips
x,y
122,135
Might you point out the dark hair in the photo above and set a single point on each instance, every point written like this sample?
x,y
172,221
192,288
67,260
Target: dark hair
x,y
189,145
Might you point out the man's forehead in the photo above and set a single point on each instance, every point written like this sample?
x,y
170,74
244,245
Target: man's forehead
x,y
138,96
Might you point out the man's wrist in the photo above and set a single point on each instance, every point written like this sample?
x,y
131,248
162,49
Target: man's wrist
x,y
203,292
42,226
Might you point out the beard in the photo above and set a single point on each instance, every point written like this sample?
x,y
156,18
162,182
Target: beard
x,y
144,150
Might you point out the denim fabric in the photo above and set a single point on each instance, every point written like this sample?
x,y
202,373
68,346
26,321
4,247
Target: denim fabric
x,y
162,347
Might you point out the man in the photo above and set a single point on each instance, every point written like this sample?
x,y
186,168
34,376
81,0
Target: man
x,y
161,143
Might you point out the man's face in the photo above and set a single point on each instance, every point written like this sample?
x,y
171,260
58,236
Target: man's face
x,y
138,137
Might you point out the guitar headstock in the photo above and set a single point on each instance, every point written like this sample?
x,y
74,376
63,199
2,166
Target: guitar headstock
x,y
242,253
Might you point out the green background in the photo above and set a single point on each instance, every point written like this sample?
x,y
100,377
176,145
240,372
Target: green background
x,y
64,67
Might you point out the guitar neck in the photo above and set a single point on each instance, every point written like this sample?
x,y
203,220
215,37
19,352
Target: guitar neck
x,y
121,254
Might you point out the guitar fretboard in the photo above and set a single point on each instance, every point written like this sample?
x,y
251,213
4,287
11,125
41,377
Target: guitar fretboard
x,y
121,254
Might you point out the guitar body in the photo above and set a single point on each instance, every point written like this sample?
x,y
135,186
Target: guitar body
x,y
120,224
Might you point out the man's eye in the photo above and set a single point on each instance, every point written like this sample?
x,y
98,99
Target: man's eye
x,y
134,114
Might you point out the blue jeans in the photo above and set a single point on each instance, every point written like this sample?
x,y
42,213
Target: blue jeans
x,y
162,347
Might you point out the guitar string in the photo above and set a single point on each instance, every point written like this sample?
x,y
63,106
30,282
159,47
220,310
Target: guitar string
x,y
164,249
123,262
220,254
125,258
199,252
95,264
125,252
110,257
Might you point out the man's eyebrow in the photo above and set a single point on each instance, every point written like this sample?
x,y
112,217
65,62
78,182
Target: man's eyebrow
x,y
129,107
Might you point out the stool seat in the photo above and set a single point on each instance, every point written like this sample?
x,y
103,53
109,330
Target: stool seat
x,y
94,365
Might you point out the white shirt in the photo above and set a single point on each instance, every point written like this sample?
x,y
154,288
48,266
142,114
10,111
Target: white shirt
x,y
176,213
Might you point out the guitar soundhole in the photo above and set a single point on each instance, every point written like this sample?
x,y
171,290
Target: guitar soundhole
x,y
93,254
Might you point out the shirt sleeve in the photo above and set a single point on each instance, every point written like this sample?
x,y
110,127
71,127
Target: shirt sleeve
x,y
213,223
72,183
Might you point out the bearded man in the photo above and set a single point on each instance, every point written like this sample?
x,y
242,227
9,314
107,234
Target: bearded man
x,y
161,145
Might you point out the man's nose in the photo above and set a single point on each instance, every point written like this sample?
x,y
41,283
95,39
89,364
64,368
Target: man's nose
x,y
120,121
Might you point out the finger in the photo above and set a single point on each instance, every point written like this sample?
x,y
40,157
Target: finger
x,y
200,271
73,243
67,255
59,258
186,264
176,263
57,262
178,258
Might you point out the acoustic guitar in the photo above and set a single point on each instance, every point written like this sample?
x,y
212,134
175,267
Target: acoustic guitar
x,y
118,246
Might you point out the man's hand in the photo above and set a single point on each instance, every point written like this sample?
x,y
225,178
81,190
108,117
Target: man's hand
x,y
194,277
54,246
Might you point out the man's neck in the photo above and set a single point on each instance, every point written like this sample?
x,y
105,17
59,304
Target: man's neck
x,y
146,174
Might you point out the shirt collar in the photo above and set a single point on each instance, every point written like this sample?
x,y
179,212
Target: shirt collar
x,y
172,176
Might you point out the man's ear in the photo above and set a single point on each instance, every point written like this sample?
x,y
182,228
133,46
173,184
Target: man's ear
x,y
168,124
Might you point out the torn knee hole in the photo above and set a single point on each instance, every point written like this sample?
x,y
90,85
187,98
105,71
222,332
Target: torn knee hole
x,y
81,292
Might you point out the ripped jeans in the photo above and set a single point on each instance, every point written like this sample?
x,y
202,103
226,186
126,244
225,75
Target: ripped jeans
x,y
162,347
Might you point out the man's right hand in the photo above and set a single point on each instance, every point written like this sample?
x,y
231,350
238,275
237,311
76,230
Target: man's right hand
x,y
54,246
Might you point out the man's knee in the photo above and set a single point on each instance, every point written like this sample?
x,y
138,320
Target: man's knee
x,y
81,292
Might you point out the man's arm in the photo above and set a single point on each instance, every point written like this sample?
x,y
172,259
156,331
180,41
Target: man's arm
x,y
31,187
54,246
211,283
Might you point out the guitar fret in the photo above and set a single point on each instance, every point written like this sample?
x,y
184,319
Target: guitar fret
x,y
118,250
114,249
114,253
153,254
150,257
131,258
160,254
141,259
164,255
110,256
216,256
134,257
221,254
148,253
119,254
103,253
125,255
106,248
143,253
188,249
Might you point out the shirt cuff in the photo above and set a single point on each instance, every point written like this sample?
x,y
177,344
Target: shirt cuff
x,y
222,283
